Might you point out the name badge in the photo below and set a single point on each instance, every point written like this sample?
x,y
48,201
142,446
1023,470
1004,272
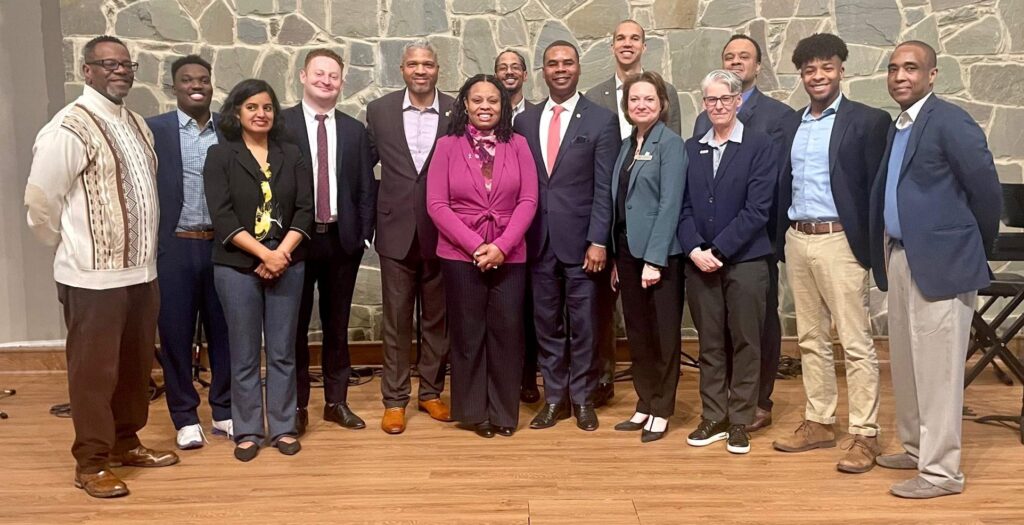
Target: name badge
x,y
643,156
704,151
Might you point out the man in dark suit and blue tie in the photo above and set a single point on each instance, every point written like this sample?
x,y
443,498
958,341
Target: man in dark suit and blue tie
x,y
935,209
185,244
337,148
759,112
574,143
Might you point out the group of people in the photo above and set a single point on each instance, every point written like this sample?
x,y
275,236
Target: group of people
x,y
515,226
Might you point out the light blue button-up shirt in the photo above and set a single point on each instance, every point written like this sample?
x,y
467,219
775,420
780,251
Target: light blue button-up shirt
x,y
812,185
195,215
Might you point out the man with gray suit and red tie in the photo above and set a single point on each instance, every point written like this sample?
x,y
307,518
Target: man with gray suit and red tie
x,y
574,143
935,209
403,127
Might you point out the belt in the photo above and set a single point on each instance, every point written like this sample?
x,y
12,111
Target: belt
x,y
324,227
206,235
816,228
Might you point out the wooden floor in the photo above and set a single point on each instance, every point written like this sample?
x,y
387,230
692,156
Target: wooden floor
x,y
435,473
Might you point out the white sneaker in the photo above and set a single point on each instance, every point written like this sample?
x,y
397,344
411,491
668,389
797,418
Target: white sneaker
x,y
190,437
224,428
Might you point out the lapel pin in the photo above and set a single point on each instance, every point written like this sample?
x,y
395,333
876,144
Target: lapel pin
x,y
606,92
448,113
578,115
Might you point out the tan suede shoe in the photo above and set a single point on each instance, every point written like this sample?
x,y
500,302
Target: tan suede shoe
x,y
860,455
437,409
393,421
141,456
808,436
102,484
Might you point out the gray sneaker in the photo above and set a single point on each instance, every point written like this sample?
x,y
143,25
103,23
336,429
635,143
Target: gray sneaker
x,y
920,488
901,461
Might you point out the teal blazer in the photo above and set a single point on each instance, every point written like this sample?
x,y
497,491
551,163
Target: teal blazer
x,y
654,198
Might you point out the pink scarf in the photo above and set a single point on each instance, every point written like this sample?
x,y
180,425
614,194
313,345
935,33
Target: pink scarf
x,y
484,144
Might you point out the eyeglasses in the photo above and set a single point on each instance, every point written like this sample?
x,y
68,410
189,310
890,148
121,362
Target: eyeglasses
x,y
111,65
726,100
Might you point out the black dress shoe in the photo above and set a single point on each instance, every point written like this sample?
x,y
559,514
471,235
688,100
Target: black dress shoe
x,y
649,435
586,417
603,394
301,420
484,430
288,449
529,393
506,431
340,413
629,426
549,415
247,454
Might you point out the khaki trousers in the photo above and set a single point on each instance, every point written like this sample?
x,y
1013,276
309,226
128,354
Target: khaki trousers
x,y
829,284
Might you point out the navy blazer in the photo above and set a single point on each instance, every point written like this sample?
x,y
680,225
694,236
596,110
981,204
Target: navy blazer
x,y
854,153
949,199
654,196
356,188
574,208
169,181
729,211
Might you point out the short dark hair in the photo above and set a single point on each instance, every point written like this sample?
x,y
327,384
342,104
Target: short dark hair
x,y
323,52
459,118
820,46
522,59
560,43
659,87
90,46
739,36
931,59
231,127
186,60
643,33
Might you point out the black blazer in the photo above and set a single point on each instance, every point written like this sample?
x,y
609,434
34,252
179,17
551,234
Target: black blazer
x,y
854,154
574,206
232,178
729,210
949,200
355,183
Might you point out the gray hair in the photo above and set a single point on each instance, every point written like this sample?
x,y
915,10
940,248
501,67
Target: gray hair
x,y
728,78
419,43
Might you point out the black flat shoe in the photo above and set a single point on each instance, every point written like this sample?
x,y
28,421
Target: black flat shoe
x,y
247,454
506,431
529,394
549,415
485,430
629,426
648,435
288,449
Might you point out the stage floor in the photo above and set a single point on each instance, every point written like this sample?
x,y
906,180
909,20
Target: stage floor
x,y
436,473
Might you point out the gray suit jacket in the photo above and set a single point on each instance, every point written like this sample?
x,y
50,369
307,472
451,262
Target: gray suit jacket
x,y
654,198
603,95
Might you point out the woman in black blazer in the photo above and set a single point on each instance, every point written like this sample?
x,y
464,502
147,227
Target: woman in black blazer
x,y
647,196
259,191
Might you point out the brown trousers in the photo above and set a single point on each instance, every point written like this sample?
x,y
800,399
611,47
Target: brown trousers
x,y
110,351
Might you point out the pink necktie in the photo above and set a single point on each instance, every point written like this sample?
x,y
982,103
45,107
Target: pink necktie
x,y
554,137
323,189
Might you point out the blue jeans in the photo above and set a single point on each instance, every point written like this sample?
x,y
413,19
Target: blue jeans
x,y
258,310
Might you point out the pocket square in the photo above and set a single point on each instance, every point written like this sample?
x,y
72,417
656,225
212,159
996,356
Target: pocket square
x,y
580,139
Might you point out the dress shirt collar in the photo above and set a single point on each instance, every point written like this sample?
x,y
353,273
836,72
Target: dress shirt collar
x,y
311,113
436,106
185,118
95,101
746,94
908,117
520,107
736,136
569,105
831,109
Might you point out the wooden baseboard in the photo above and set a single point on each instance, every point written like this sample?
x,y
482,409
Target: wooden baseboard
x,y
51,358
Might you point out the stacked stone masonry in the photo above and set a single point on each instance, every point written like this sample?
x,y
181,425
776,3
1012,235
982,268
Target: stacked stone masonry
x,y
981,44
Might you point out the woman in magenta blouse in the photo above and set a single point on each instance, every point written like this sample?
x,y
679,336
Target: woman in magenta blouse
x,y
482,195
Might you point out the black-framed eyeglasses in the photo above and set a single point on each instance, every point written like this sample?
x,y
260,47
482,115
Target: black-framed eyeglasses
x,y
726,100
111,65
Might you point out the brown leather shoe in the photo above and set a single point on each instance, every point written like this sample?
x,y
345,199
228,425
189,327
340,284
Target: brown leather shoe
x,y
762,419
808,436
103,484
393,421
860,455
437,409
141,456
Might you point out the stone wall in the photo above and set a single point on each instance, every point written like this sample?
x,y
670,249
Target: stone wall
x,y
981,45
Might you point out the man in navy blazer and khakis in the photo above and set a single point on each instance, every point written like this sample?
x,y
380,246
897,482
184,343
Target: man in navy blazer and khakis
x,y
184,264
575,143
935,209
